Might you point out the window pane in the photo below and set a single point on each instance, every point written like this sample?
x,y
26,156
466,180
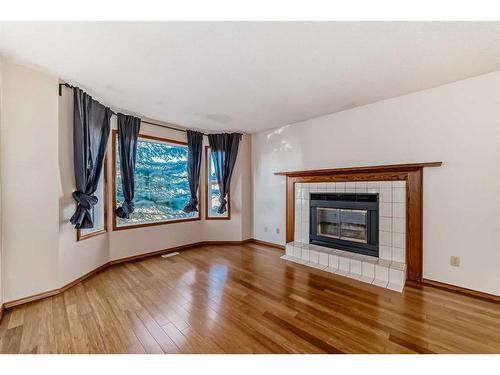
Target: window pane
x,y
161,183
98,209
213,191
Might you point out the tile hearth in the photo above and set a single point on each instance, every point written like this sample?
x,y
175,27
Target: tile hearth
x,y
372,270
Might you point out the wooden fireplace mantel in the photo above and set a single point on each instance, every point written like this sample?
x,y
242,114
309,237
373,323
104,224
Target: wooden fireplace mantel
x,y
411,173
367,169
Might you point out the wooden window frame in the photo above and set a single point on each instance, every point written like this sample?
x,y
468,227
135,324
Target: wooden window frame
x,y
207,217
143,225
79,235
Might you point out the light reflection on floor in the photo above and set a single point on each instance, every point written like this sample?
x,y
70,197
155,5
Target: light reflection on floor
x,y
217,280
189,277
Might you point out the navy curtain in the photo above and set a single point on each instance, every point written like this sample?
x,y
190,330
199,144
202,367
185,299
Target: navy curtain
x,y
90,138
224,150
128,132
195,146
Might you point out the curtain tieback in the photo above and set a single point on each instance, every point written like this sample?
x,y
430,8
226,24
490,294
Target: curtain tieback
x,y
87,201
125,210
192,206
222,207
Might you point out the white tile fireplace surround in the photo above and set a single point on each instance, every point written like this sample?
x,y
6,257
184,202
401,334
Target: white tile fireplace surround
x,y
389,269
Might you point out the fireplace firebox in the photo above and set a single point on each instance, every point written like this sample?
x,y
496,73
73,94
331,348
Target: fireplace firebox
x,y
346,221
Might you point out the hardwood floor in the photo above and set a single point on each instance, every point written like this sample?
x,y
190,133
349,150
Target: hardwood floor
x,y
244,299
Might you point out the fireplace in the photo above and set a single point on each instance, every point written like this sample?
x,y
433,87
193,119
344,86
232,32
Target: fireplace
x,y
346,221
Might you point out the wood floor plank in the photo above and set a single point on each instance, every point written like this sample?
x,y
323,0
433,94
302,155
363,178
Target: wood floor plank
x,y
81,344
178,338
323,345
46,332
245,299
16,317
205,344
29,339
95,337
62,332
165,342
147,340
11,340
127,334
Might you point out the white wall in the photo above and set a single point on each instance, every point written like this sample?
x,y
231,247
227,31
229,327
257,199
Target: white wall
x,y
40,252
28,156
457,123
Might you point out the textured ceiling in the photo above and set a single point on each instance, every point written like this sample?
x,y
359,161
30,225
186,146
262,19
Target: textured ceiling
x,y
252,76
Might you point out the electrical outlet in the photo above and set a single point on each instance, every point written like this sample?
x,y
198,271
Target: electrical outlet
x,y
277,230
455,261
265,229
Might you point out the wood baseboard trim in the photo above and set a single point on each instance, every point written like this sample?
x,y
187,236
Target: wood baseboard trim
x,y
35,297
154,253
211,243
460,290
50,293
270,244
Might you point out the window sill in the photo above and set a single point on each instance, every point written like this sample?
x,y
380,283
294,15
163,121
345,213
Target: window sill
x,y
218,218
80,237
135,226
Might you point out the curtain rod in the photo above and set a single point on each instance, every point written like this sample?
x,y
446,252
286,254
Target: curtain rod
x,y
144,121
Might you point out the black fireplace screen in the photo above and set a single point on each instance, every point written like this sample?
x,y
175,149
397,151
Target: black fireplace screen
x,y
345,221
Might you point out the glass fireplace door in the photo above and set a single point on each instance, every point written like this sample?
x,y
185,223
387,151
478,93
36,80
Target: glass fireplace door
x,y
328,222
353,225
343,224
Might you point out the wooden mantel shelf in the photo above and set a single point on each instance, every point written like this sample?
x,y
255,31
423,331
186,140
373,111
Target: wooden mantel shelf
x,y
367,169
